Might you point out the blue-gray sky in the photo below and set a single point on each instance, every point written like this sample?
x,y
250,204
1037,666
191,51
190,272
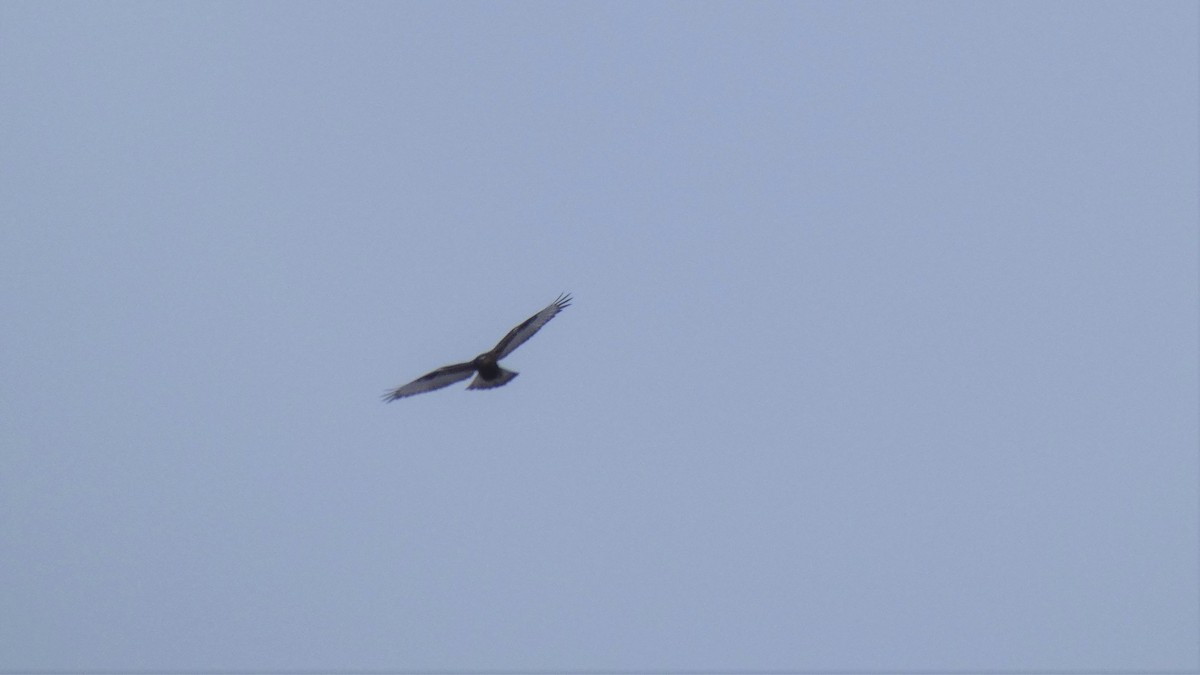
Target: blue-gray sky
x,y
883,354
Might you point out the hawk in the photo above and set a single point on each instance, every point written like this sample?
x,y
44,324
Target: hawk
x,y
488,373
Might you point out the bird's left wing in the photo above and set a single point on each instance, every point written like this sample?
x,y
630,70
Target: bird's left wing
x,y
517,336
442,377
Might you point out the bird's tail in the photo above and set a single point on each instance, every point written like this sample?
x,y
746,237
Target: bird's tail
x,y
499,381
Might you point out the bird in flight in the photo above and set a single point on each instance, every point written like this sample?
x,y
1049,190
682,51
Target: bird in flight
x,y
488,373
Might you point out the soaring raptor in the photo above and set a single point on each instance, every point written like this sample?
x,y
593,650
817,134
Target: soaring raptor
x,y
488,373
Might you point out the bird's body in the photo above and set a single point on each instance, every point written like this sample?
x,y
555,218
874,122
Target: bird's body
x,y
486,367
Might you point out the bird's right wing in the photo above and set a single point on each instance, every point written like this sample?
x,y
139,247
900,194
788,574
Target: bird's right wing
x,y
517,336
442,377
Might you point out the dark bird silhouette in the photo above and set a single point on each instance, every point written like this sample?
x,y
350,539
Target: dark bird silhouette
x,y
487,370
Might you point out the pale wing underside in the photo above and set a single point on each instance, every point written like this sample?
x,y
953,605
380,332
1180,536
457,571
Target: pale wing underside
x,y
442,377
517,336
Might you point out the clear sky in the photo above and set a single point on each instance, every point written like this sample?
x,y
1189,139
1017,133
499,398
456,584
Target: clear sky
x,y
883,354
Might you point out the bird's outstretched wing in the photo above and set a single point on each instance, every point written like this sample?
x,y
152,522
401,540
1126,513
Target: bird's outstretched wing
x,y
442,377
517,336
